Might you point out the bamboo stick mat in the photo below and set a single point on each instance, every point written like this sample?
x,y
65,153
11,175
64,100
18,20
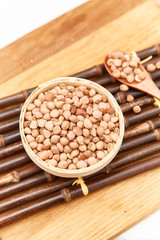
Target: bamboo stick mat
x,y
69,44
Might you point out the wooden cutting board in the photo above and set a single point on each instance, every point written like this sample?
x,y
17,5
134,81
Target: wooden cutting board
x,y
73,42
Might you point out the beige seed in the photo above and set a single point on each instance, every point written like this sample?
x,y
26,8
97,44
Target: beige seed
x,y
64,141
73,119
43,155
41,97
127,70
73,145
55,139
106,117
84,100
41,123
47,117
81,164
44,109
74,153
49,96
72,167
63,164
35,132
53,162
111,125
71,135
110,62
91,146
100,131
86,132
114,136
82,148
117,62
114,119
80,140
97,114
130,78
56,130
137,71
40,138
107,139
99,145
100,155
27,130
63,157
92,161
87,154
151,67
124,87
54,113
141,76
95,139
65,125
51,105
33,145
116,74
137,109
66,107
67,149
92,92
54,149
60,147
158,65
49,126
28,116
87,123
67,114
46,133
77,131
59,104
33,124
37,115
130,98
97,98
104,124
89,110
31,106
37,102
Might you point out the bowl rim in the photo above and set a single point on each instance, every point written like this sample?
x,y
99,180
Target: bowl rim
x,y
65,172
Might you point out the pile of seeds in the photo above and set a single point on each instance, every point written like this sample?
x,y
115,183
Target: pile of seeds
x,y
153,67
125,66
71,127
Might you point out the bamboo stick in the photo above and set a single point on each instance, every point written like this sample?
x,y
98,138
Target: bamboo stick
x,y
67,194
10,149
129,120
14,161
95,71
144,115
43,190
143,101
121,97
9,125
142,128
9,138
127,145
9,113
20,174
15,98
143,139
25,184
133,155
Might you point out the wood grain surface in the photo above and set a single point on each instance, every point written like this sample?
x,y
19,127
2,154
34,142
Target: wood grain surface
x,y
74,42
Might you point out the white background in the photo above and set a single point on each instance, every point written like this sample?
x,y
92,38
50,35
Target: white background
x,y
18,17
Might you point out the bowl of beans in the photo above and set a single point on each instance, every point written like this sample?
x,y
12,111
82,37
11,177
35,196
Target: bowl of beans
x,y
71,127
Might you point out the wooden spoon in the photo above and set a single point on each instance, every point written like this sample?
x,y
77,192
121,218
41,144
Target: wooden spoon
x,y
147,85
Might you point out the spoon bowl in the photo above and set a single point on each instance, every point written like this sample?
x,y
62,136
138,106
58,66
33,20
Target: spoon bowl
x,y
147,85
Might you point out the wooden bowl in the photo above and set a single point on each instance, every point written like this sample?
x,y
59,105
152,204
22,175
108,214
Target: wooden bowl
x,y
65,172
